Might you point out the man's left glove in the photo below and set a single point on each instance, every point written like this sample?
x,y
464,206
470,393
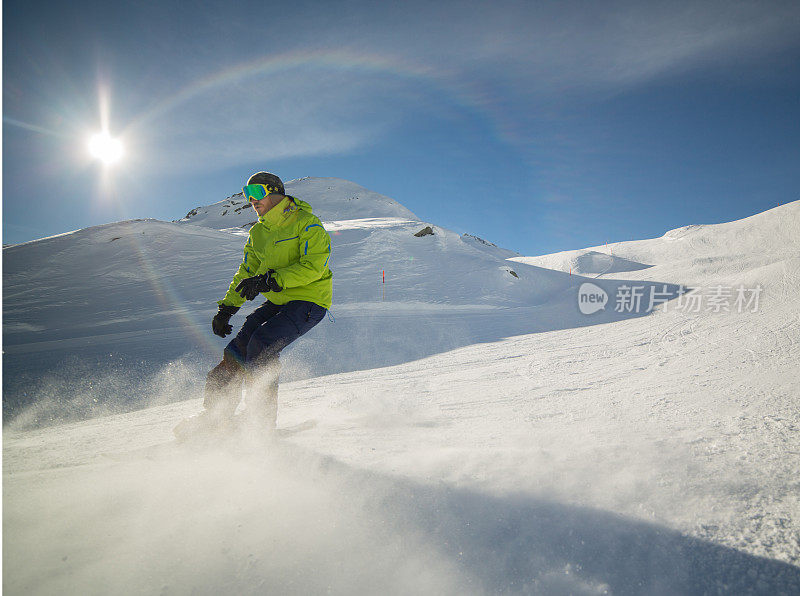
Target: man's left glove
x,y
252,286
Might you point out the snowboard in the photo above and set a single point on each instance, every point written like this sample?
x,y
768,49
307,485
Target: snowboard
x,y
153,452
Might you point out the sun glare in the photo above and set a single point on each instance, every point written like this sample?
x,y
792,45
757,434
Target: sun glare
x,y
104,148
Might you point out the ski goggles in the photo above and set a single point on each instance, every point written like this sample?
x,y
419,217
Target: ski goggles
x,y
256,192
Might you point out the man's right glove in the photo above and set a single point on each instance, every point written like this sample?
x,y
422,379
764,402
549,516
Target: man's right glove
x,y
252,286
219,324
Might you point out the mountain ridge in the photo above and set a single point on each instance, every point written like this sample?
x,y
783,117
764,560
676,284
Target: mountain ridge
x,y
330,199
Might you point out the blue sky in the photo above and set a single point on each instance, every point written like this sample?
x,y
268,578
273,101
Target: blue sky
x,y
541,126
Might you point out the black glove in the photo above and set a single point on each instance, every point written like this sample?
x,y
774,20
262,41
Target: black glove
x,y
252,286
219,324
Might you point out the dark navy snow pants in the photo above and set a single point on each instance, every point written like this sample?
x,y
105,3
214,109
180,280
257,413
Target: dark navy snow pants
x,y
272,327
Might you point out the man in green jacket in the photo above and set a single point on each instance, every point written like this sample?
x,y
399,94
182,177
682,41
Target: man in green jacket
x,y
286,260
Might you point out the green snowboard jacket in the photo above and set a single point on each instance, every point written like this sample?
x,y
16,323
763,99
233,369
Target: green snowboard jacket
x,y
291,240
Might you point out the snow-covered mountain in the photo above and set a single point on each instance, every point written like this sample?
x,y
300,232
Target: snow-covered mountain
x,y
476,432
130,299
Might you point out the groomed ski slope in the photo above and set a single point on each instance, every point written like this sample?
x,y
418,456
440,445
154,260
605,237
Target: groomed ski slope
x,y
581,454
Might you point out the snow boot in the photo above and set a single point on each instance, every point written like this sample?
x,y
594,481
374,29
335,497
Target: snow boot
x,y
261,401
223,392
224,386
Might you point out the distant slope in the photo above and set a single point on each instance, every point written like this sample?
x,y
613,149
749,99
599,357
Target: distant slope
x,y
691,253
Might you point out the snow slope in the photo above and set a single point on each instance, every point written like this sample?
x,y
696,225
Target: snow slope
x,y
483,437
695,254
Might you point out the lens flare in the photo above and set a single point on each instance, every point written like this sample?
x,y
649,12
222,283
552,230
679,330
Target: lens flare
x,y
105,148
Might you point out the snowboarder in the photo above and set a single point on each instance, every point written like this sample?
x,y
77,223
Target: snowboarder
x,y
286,261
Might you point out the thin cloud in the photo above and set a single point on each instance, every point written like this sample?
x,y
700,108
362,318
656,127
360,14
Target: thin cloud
x,y
574,45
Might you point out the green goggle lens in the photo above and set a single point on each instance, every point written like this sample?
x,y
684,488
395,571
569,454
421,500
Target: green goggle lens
x,y
255,192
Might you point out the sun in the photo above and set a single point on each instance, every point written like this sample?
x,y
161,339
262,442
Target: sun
x,y
105,148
